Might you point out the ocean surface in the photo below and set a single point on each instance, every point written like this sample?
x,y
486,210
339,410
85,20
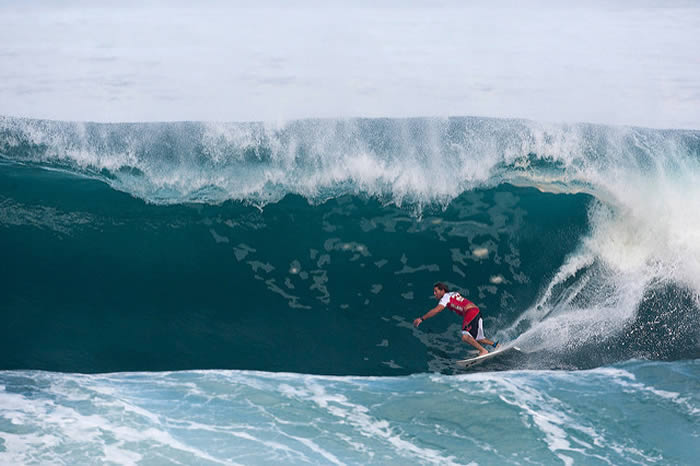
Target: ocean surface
x,y
219,220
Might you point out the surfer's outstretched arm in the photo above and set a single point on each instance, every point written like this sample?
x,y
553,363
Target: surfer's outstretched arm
x,y
437,309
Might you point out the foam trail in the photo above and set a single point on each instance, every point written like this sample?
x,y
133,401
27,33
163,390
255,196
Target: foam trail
x,y
543,307
623,260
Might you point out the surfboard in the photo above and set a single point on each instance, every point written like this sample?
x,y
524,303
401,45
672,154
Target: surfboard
x,y
464,363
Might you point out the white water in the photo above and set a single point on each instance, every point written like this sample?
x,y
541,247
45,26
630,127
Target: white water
x,y
239,417
645,235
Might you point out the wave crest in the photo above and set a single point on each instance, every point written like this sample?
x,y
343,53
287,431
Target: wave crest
x,y
399,160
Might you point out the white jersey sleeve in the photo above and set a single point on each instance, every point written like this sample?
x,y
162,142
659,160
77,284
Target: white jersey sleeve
x,y
445,299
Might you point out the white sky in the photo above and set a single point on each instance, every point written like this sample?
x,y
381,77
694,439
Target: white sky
x,y
634,63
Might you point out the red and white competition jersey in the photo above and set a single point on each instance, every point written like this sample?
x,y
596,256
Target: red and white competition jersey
x,y
460,306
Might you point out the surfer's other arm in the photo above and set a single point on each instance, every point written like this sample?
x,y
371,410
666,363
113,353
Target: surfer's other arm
x,y
437,309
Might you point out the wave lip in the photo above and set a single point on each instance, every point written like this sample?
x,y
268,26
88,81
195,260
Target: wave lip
x,y
422,160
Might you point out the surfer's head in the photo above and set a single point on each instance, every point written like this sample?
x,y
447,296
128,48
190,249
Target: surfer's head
x,y
439,290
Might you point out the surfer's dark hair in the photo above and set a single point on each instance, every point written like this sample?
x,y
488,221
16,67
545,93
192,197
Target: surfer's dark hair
x,y
441,286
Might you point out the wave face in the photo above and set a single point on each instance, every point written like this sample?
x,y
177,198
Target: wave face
x,y
311,246
237,417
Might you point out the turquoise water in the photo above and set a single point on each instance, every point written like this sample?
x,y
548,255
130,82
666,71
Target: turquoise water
x,y
631,413
240,293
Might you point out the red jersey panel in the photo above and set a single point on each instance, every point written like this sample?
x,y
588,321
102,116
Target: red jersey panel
x,y
460,306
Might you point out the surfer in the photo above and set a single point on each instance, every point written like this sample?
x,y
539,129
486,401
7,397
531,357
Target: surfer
x,y
472,323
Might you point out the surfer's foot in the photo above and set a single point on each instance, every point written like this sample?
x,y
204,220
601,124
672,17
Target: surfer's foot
x,y
481,353
496,345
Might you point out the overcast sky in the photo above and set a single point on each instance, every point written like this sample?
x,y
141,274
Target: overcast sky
x,y
631,63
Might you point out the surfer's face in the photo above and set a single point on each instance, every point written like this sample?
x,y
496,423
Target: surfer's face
x,y
438,293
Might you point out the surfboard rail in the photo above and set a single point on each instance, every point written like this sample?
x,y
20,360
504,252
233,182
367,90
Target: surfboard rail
x,y
469,362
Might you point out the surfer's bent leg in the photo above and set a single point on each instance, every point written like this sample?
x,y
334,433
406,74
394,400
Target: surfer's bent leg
x,y
467,338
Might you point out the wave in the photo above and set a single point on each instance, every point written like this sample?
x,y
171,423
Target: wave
x,y
600,263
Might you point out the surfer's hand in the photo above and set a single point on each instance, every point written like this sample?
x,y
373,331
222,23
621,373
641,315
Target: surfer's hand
x,y
417,322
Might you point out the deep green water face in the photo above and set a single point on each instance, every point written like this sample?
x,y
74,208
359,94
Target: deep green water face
x,y
98,281
140,246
